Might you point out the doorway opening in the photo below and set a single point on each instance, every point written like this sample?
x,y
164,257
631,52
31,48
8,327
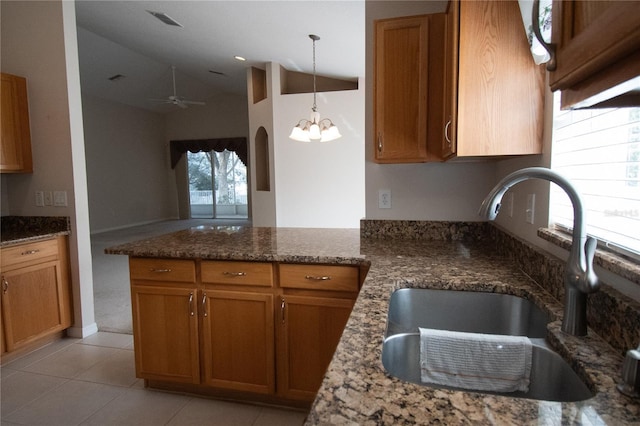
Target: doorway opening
x,y
217,185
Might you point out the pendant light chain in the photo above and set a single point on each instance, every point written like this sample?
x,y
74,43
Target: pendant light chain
x,y
314,38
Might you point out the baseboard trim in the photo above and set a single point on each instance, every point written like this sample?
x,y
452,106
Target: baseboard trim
x,y
82,332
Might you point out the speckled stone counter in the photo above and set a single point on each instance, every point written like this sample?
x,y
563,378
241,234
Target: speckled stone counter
x,y
356,389
23,229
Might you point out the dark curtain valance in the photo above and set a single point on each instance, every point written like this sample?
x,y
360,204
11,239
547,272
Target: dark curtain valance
x,y
238,145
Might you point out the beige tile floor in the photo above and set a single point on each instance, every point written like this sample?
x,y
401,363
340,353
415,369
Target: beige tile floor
x,y
92,381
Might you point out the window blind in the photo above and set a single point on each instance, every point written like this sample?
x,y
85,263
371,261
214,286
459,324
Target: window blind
x,y
599,151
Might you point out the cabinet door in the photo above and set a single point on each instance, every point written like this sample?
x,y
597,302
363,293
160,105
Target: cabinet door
x,y
15,141
450,104
500,89
591,35
165,332
238,340
400,89
309,331
33,303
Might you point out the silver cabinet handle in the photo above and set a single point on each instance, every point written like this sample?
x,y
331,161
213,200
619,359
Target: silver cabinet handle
x,y
191,311
28,252
549,47
283,305
379,142
204,304
235,274
159,270
5,285
446,132
318,278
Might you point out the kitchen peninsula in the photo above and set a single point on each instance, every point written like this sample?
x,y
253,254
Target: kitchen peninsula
x,y
461,256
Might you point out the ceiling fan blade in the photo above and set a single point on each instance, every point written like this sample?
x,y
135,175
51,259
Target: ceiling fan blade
x,y
193,102
175,99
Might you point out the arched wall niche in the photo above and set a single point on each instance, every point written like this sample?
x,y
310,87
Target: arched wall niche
x,y
263,180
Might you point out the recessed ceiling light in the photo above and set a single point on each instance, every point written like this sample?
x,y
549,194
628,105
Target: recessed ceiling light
x,y
165,18
240,58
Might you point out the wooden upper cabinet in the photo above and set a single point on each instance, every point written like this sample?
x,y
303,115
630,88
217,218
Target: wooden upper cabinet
x,y
597,49
15,142
403,103
495,92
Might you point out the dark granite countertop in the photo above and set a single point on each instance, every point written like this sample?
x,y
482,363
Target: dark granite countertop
x,y
356,389
24,229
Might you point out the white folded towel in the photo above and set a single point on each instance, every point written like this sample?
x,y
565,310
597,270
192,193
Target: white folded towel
x,y
484,362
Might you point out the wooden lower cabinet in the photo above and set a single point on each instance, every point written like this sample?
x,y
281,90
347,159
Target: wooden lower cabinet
x,y
231,329
165,332
238,339
36,295
309,332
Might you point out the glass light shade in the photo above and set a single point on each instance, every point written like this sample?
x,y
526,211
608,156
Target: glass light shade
x,y
298,134
314,132
331,133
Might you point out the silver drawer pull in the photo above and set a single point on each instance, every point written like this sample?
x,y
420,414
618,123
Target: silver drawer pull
x,y
28,252
314,278
204,305
235,274
159,270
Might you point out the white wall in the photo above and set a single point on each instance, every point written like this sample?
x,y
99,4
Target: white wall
x,y
129,175
39,43
263,203
319,184
316,185
224,115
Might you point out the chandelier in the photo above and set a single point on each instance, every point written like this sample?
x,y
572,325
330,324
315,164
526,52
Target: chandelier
x,y
314,129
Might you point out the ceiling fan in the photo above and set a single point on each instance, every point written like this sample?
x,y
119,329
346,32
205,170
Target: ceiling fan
x,y
175,99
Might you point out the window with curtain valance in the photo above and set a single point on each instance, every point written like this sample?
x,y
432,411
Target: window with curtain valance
x,y
237,145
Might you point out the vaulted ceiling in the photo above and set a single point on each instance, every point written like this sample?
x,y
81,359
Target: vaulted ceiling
x,y
123,38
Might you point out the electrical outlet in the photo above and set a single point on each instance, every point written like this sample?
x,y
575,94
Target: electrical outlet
x,y
60,198
531,208
39,199
48,198
384,199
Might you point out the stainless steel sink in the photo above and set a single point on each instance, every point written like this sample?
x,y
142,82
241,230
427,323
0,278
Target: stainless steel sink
x,y
552,379
472,312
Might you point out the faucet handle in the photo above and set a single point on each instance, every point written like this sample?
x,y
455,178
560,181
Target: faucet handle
x,y
630,384
591,282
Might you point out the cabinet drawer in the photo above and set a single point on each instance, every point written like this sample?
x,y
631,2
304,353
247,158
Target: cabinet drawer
x,y
319,277
163,270
29,252
241,273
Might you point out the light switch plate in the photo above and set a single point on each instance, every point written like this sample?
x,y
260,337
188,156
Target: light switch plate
x,y
39,199
509,204
48,198
60,198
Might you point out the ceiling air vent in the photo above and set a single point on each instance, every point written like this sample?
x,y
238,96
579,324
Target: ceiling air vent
x,y
116,77
165,18
217,73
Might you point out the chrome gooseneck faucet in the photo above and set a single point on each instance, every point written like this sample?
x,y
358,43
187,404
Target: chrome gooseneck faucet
x,y
579,276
